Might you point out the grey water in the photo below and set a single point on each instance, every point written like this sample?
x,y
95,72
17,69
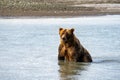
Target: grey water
x,y
29,48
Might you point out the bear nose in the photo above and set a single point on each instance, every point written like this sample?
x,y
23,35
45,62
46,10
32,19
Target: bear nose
x,y
63,38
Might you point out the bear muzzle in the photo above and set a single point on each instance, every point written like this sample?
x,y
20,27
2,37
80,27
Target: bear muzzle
x,y
64,38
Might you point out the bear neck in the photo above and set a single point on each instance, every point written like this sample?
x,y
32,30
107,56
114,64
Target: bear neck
x,y
68,44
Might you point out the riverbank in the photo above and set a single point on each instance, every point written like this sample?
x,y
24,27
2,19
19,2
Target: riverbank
x,y
19,8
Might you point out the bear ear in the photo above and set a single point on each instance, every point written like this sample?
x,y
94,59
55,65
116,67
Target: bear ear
x,y
60,29
72,30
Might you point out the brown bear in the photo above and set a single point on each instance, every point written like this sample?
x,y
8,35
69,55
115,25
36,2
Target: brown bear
x,y
70,49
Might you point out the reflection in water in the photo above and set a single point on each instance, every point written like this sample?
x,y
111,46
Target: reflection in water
x,y
68,70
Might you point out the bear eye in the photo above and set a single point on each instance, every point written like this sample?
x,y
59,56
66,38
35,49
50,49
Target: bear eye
x,y
63,32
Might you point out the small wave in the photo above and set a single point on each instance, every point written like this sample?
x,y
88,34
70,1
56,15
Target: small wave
x,y
106,61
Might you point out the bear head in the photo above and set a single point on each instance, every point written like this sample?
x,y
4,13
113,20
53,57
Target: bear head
x,y
66,35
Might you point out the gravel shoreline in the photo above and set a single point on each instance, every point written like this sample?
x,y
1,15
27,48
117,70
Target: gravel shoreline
x,y
43,8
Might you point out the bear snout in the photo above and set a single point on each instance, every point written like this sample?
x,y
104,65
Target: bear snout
x,y
64,38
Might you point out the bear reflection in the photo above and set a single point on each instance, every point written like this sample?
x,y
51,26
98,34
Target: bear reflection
x,y
69,70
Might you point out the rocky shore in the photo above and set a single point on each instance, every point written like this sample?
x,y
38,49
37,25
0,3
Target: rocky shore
x,y
58,7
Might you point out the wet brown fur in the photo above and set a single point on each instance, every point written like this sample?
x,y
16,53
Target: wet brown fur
x,y
70,48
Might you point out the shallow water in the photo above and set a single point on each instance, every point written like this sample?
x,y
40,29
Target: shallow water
x,y
28,48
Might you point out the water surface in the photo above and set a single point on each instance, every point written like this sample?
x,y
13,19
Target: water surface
x,y
29,48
